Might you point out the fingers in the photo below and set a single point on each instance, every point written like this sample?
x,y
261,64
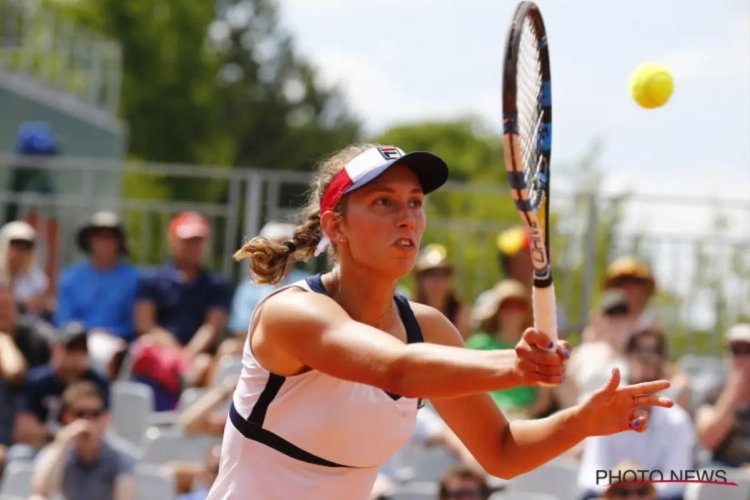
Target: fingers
x,y
538,355
614,382
638,420
536,338
563,349
651,400
646,387
528,366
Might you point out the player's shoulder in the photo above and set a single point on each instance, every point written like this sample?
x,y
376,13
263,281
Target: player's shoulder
x,y
436,328
295,304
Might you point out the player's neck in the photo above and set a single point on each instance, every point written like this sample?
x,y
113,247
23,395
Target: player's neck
x,y
365,297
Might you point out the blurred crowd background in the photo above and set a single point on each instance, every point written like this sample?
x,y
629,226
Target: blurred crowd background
x,y
141,142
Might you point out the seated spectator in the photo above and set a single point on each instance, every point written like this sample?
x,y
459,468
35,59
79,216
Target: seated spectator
x,y
24,345
81,463
652,345
633,277
180,314
434,276
100,291
625,489
30,283
591,363
429,431
462,483
206,477
501,323
208,415
39,417
723,423
666,445
249,294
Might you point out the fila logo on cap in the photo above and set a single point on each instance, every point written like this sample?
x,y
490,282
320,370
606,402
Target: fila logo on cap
x,y
389,152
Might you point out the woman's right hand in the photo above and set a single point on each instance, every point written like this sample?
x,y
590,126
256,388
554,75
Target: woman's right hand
x,y
540,360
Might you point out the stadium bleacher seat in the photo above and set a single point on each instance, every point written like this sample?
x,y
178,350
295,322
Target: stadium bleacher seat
x,y
173,446
558,478
417,490
521,495
17,480
695,491
132,405
155,483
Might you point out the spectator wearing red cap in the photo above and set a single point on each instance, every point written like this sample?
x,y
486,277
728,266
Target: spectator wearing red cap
x,y
181,305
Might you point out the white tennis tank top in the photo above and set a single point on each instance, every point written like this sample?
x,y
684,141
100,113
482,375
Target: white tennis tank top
x,y
310,436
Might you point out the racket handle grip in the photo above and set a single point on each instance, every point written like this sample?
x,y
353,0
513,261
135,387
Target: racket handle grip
x,y
545,310
545,313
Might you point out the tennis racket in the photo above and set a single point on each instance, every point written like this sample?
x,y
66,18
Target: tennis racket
x,y
527,138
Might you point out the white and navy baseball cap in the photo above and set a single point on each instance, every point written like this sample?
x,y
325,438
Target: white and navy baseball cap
x,y
430,169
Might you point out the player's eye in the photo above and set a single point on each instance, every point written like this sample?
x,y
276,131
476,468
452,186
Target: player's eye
x,y
416,202
383,201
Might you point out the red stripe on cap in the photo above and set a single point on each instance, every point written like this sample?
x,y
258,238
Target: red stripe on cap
x,y
335,191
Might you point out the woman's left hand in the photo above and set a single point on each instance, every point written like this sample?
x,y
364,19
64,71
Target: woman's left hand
x,y
614,409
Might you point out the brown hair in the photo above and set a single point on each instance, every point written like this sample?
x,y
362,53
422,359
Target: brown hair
x,y
268,260
80,390
463,472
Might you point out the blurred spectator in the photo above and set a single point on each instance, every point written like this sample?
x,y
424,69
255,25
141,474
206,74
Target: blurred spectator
x,y
249,294
590,365
17,264
666,445
636,281
39,415
515,263
81,463
724,421
208,414
462,483
206,477
651,345
429,431
180,314
501,321
24,345
434,276
100,291
624,490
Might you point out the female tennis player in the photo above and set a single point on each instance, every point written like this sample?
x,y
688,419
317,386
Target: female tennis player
x,y
335,366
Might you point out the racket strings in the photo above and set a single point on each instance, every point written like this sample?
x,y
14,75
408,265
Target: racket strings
x,y
529,84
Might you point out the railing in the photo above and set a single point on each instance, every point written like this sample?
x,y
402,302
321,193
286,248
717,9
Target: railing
x,y
703,270
36,41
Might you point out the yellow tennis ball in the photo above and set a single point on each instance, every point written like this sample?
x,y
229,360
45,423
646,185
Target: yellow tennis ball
x,y
651,85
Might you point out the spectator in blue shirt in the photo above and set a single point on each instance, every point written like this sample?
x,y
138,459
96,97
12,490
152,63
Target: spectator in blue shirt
x,y
182,304
100,291
38,418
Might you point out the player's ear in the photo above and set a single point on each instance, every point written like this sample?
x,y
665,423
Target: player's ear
x,y
331,225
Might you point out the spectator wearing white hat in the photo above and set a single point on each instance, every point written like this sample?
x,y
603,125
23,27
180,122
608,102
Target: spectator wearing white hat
x,y
723,423
17,264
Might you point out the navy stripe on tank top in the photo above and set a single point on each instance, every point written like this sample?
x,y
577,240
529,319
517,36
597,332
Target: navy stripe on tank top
x,y
252,426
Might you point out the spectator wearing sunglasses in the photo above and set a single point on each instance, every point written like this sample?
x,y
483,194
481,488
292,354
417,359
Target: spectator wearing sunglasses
x,y
650,345
666,445
462,483
723,423
501,320
591,363
81,464
17,264
434,276
628,490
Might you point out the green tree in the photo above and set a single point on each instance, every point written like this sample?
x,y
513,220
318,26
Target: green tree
x,y
276,112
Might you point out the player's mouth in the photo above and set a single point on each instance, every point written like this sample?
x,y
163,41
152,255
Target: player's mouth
x,y
406,244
